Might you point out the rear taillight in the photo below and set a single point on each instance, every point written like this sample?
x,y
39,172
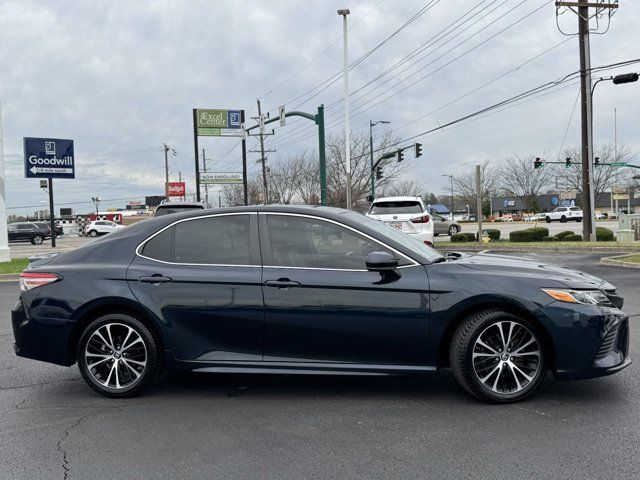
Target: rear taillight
x,y
423,219
29,280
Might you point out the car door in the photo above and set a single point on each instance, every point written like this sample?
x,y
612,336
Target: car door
x,y
322,305
201,277
440,225
24,231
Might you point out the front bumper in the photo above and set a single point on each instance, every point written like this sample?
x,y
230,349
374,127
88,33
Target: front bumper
x,y
590,341
44,339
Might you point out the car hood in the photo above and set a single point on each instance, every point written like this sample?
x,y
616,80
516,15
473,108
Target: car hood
x,y
521,267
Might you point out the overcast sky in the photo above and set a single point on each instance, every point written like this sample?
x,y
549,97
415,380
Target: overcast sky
x,y
121,77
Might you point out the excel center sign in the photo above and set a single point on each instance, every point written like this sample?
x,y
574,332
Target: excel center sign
x,y
219,123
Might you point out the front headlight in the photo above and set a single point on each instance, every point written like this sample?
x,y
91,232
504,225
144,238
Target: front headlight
x,y
589,297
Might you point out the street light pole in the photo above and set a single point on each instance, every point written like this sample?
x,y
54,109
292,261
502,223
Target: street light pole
x,y
96,201
451,178
373,177
347,148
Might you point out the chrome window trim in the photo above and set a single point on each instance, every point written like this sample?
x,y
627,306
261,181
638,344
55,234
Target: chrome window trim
x,y
414,263
141,244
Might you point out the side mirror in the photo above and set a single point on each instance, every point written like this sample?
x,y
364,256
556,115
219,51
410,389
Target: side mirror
x,y
381,261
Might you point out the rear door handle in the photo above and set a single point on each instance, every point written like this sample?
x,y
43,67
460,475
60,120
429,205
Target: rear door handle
x,y
282,283
155,279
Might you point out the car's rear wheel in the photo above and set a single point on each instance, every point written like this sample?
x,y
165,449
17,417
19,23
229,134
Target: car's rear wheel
x,y
547,219
37,239
453,230
93,233
498,356
118,356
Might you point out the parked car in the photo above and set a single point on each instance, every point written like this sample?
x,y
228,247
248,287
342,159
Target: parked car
x,y
286,289
564,214
34,232
101,227
444,226
165,208
408,214
504,218
612,215
57,227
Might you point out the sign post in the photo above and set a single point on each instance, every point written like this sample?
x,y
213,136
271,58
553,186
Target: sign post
x,y
49,158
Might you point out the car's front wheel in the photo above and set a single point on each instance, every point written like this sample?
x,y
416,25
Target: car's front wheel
x,y
547,219
37,239
93,233
453,230
118,356
497,356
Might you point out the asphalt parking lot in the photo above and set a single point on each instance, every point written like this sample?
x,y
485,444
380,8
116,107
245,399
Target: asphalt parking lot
x,y
52,426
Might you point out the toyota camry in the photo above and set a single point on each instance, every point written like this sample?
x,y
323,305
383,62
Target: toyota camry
x,y
311,290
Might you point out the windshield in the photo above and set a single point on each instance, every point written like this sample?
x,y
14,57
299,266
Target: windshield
x,y
415,246
405,206
175,209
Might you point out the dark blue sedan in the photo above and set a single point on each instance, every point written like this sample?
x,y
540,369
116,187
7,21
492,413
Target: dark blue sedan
x,y
311,290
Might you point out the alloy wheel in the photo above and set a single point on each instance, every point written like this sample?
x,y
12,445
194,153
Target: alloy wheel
x,y
116,356
506,357
453,230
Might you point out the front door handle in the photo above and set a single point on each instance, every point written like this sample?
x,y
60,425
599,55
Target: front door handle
x,y
282,283
155,279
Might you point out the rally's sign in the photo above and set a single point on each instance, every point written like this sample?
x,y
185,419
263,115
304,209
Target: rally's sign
x,y
219,123
48,158
176,189
221,178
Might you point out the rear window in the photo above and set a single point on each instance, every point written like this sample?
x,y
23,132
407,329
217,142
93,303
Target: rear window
x,y
175,209
406,206
575,209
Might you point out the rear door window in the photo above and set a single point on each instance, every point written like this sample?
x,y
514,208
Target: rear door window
x,y
405,206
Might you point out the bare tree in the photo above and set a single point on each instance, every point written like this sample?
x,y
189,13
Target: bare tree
x,y
285,176
520,178
360,166
605,177
465,183
234,194
402,187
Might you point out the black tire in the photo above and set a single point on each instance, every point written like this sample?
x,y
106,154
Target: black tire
x,y
462,362
547,219
119,325
563,219
578,220
453,230
93,233
37,239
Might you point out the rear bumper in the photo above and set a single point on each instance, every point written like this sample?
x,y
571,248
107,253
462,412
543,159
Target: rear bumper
x,y
44,339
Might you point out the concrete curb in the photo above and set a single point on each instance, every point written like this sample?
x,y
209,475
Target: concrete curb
x,y
9,277
534,249
616,261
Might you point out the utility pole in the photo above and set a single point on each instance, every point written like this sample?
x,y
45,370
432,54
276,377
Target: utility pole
x,y
262,159
204,169
581,8
479,200
450,178
166,171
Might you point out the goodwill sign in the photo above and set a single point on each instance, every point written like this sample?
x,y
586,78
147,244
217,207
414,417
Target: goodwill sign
x,y
48,158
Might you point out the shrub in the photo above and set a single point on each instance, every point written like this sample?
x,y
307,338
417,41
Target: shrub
x,y
604,235
539,233
563,235
463,237
494,234
572,238
522,236
549,239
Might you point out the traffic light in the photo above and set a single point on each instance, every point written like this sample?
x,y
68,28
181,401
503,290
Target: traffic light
x,y
400,155
378,173
597,161
537,163
568,162
418,150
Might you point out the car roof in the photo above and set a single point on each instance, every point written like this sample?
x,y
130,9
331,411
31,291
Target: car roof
x,y
182,204
396,199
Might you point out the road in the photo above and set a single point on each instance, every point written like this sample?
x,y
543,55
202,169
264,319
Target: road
x,y
507,227
52,426
63,244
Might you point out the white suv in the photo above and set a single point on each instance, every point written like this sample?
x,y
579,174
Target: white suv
x,y
408,214
564,214
101,227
